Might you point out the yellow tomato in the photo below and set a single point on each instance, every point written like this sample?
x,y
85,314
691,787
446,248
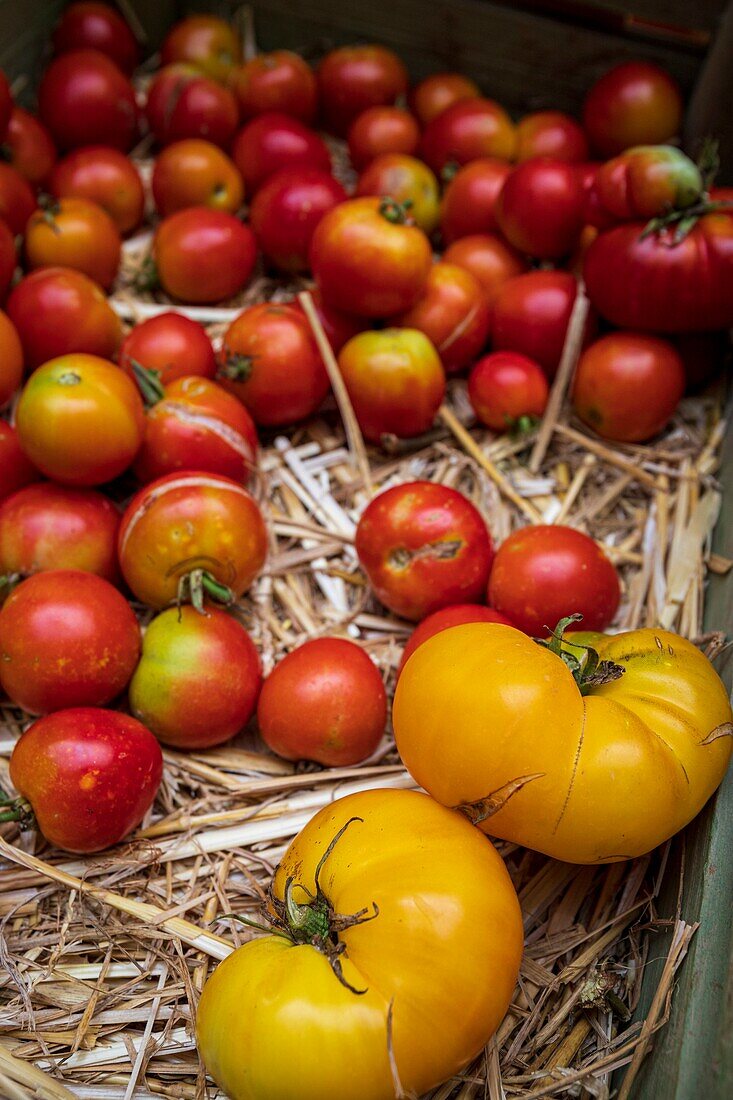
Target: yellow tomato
x,y
424,971
487,719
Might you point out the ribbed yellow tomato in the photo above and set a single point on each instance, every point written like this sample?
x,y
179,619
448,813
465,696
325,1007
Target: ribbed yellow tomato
x,y
487,719
406,942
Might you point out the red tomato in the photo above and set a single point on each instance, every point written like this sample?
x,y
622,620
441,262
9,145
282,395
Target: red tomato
x,y
635,103
206,41
90,776
324,701
531,315
105,176
273,141
196,173
171,344
646,182
423,547
67,639
470,198
203,255
489,259
197,425
540,208
8,260
80,420
338,327
183,103
467,130
278,81
439,91
507,391
543,573
627,386
551,134
270,361
32,152
11,359
286,210
354,78
381,130
84,99
77,316
88,25
367,260
454,315
395,381
50,526
16,469
76,234
181,528
6,105
17,200
406,180
455,615
198,678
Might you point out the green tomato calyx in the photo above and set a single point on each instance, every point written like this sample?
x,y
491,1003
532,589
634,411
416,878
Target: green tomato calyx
x,y
589,670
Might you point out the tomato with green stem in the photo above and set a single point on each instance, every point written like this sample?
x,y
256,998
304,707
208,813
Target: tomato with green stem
x,y
648,181
508,391
77,234
405,180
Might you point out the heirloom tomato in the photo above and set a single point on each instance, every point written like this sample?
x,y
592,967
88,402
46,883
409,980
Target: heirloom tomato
x,y
273,141
182,103
279,81
455,615
469,200
286,210
453,313
338,327
489,259
76,234
195,173
635,103
439,91
531,315
104,176
17,199
32,152
376,885
203,255
11,359
353,78
647,181
407,181
467,130
508,391
380,130
551,134
8,260
170,344
540,208
209,43
84,99
16,469
93,26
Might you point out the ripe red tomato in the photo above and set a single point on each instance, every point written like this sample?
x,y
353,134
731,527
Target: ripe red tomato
x,y
635,103
381,130
8,260
543,573
88,25
540,208
179,532
367,259
469,129
395,381
423,547
551,134
203,255
90,776
531,315
354,78
67,639
338,327
171,344
16,469
84,99
455,615
273,141
196,173
182,103
278,81
50,526
6,104
406,180
508,391
270,361
104,176
439,91
17,200
198,678
454,315
489,259
11,359
627,386
80,420
470,198
324,701
209,43
77,316
32,152
286,210
76,234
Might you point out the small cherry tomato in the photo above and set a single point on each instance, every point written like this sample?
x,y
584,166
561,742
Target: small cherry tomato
x,y
635,103
171,344
627,386
77,234
543,573
380,130
454,315
203,255
489,259
17,200
273,141
270,361
80,420
198,678
540,208
16,469
467,130
455,615
8,260
423,547
88,25
84,99
11,359
67,639
551,134
182,103
531,315
196,173
32,152
205,41
338,327
104,176
90,776
395,381
439,91
6,105
407,181
470,198
286,210
324,701
353,78
647,181
278,81
508,391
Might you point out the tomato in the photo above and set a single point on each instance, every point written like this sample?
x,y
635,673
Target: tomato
x,y
77,234
490,260
198,678
286,210
439,91
470,198
90,776
423,547
197,425
381,130
338,327
551,134
80,420
196,173
654,284
203,255
455,615
270,361
469,129
182,103
273,141
540,208
104,176
17,200
205,41
16,469
278,81
543,573
171,344
596,777
67,639
627,386
508,390
11,359
6,105
324,701
84,99
648,181
201,529
454,315
8,260
32,152
368,260
88,25
395,381
353,78
422,884
531,315
407,181
635,103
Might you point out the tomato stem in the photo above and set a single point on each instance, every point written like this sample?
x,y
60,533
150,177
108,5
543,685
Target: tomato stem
x,y
395,212
684,221
17,809
149,383
8,581
198,584
237,368
147,277
589,673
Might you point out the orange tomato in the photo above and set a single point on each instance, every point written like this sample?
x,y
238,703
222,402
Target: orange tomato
x,y
196,173
11,359
77,234
209,43
406,180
